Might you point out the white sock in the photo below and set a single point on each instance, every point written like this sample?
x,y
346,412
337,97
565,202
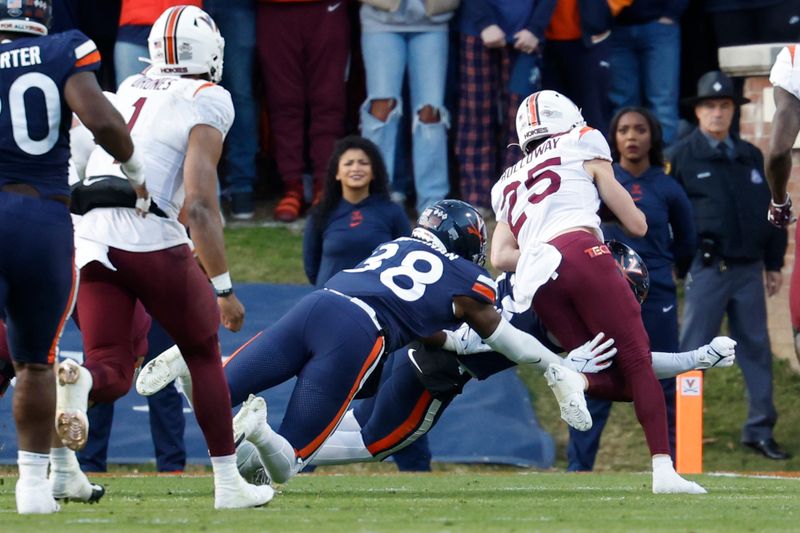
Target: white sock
x,y
64,459
662,463
276,454
669,364
225,472
343,447
32,466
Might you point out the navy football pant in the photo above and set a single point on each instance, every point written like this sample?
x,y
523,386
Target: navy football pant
x,y
37,276
331,346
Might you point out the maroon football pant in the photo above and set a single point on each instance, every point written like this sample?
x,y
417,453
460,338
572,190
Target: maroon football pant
x,y
174,291
590,296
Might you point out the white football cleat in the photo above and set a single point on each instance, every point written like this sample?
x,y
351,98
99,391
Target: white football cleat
x,y
241,495
34,496
251,420
73,485
568,387
72,398
672,483
161,371
248,463
719,353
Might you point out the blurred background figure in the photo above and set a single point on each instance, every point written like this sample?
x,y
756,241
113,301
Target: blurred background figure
x,y
408,37
637,147
303,49
723,176
499,64
645,60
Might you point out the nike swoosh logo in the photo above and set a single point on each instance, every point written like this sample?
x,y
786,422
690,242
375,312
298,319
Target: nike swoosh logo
x,y
667,308
333,7
411,352
92,180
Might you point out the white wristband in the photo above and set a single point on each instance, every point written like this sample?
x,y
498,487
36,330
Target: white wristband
x,y
133,169
222,282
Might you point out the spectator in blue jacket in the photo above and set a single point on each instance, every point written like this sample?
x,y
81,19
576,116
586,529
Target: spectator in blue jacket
x,y
637,148
499,64
355,213
645,60
353,217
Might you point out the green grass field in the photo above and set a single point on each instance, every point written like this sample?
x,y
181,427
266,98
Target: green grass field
x,y
462,502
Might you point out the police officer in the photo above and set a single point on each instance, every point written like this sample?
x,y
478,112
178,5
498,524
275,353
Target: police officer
x,y
724,179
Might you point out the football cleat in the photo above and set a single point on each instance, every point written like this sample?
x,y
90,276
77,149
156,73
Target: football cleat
x,y
670,482
73,485
251,419
567,385
241,495
161,371
72,397
248,463
34,496
719,353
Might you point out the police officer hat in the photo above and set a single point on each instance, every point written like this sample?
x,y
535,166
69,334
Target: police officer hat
x,y
714,84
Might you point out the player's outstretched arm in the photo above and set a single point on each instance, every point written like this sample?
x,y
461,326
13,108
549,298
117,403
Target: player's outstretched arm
x,y
785,127
719,353
501,336
616,198
504,253
205,223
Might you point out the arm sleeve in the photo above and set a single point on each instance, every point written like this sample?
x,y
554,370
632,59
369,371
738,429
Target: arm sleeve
x,y
540,17
86,57
520,347
481,12
593,145
785,72
312,250
684,242
212,106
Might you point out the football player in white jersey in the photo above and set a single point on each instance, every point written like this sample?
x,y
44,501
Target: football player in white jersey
x,y
548,231
785,78
178,118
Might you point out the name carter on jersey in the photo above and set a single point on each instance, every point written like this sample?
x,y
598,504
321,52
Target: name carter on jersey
x,y
20,57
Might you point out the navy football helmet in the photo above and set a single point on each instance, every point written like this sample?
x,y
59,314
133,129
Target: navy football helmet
x,y
632,268
456,227
26,16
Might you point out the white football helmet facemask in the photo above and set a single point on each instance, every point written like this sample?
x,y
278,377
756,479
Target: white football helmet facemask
x,y
186,40
544,114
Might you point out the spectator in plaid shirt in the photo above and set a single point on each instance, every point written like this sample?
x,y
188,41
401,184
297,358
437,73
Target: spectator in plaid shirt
x,y
498,54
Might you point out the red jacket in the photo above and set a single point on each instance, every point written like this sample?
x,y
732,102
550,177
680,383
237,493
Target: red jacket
x,y
145,12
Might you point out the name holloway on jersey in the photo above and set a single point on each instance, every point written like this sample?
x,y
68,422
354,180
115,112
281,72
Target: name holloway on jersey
x,y
160,112
549,191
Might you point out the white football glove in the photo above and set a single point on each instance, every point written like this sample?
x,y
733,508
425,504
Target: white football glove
x,y
720,353
465,341
591,357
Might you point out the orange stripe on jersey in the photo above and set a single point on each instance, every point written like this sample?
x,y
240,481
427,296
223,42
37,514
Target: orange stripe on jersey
x,y
377,351
240,348
170,44
94,57
484,290
792,49
204,86
585,129
408,426
51,354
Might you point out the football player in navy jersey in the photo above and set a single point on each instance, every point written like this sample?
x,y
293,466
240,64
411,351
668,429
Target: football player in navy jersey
x,y
334,339
43,78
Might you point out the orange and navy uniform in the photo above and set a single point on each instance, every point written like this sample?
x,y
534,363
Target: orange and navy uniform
x,y
37,277
334,339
